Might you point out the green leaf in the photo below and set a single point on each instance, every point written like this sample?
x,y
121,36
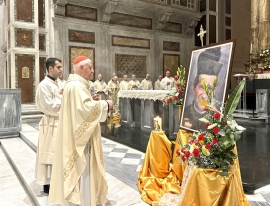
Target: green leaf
x,y
233,100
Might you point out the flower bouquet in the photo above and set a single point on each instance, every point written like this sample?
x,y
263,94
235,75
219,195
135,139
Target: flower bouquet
x,y
265,59
176,95
213,148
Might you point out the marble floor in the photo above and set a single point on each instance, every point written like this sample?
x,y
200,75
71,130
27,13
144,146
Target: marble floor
x,y
122,164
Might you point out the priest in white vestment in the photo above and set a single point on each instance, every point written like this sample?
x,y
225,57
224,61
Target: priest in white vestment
x,y
157,83
113,87
146,84
78,175
133,84
167,83
101,88
124,83
48,101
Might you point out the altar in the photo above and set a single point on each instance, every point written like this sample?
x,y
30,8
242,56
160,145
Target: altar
x,y
138,108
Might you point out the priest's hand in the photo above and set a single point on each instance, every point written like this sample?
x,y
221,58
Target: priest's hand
x,y
61,91
168,83
110,103
95,97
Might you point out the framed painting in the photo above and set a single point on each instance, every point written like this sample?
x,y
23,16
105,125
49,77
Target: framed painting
x,y
75,51
170,63
208,63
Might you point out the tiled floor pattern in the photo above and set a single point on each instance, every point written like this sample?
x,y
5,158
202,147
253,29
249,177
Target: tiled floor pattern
x,y
124,163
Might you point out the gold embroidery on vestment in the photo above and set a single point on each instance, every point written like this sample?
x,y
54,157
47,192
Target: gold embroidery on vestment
x,y
86,124
70,164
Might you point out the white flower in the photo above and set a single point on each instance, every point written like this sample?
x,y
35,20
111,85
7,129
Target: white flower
x,y
204,120
212,126
174,89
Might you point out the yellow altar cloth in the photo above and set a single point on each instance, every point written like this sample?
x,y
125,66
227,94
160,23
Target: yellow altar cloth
x,y
205,187
156,177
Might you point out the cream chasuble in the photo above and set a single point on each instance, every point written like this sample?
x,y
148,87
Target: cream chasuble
x,y
132,83
157,85
146,85
79,148
48,101
101,86
124,85
164,84
113,87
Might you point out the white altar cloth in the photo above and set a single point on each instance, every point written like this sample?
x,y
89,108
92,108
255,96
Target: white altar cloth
x,y
263,76
143,94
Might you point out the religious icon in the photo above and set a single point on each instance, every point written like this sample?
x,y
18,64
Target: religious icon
x,y
157,124
25,73
211,64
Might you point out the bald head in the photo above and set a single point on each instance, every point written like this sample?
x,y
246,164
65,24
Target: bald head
x,y
125,77
147,77
160,77
115,78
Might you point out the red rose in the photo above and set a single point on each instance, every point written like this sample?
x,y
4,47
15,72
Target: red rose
x,y
183,150
216,115
196,152
175,97
191,141
169,100
178,84
175,78
187,154
183,158
215,130
180,91
201,137
208,146
215,141
207,124
177,152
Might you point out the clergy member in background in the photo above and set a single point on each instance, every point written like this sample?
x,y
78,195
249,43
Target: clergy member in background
x,y
48,101
113,86
100,88
124,83
157,83
78,175
147,84
133,84
61,82
167,82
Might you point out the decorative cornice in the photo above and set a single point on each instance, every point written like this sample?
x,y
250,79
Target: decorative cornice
x,y
107,10
191,25
162,19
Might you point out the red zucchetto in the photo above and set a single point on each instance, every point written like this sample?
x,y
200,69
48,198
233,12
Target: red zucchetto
x,y
79,59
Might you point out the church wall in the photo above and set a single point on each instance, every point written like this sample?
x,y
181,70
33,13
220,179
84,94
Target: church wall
x,y
105,51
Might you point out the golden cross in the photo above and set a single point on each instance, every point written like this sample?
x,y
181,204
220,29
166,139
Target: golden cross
x,y
24,37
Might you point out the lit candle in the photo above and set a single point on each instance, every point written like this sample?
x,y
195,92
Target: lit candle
x,y
158,123
250,48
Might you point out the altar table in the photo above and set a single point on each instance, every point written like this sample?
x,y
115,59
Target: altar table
x,y
138,108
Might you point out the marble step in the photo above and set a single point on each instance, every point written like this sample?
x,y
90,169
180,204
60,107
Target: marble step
x,y
31,118
10,185
23,158
30,136
30,111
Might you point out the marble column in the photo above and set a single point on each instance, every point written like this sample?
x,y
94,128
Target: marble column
x,y
254,25
264,24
